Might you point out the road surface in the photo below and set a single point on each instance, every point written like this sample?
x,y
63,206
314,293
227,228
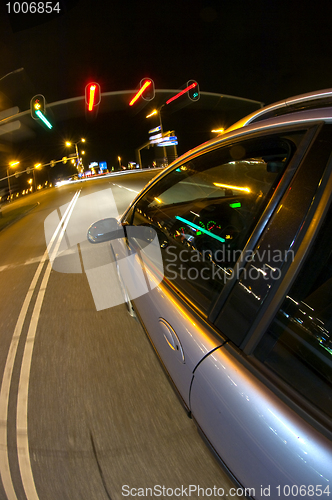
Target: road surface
x,y
86,411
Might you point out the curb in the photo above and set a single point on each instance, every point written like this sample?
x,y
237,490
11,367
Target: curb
x,y
19,217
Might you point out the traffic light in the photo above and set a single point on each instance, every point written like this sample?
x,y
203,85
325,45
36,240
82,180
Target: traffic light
x,y
193,90
37,108
92,99
146,91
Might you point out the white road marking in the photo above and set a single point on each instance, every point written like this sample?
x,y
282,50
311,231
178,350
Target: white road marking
x,y
28,262
22,402
124,187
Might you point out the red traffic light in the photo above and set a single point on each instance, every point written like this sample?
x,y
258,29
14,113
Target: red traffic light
x,y
146,91
192,89
92,95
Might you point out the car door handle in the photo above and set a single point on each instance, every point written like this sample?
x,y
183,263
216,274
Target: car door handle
x,y
172,339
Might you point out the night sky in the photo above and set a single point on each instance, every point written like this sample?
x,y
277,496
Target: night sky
x,y
261,50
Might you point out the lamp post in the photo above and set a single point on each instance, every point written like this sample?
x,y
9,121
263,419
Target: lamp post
x,y
76,150
12,165
157,112
119,160
11,73
37,165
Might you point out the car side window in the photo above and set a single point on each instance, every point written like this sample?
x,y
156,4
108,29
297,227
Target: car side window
x,y
205,210
298,344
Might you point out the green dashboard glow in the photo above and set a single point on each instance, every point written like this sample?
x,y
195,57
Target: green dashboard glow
x,y
199,228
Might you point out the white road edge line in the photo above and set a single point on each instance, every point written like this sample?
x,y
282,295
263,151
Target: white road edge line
x,y
124,187
8,370
23,388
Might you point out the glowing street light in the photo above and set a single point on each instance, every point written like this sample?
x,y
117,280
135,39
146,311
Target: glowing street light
x,y
68,143
12,165
36,167
154,112
157,112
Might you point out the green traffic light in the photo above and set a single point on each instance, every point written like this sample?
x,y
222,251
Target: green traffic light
x,y
43,119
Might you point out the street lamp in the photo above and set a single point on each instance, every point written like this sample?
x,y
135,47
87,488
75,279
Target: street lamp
x,y
37,166
12,165
76,149
119,160
157,112
12,73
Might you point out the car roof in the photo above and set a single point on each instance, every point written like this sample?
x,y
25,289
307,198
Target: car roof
x,y
305,108
312,100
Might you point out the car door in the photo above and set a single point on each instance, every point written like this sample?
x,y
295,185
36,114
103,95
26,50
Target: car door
x,y
264,398
206,212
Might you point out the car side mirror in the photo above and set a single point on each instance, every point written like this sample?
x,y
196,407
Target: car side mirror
x,y
105,230
110,229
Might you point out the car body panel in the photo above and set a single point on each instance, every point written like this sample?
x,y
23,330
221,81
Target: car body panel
x,y
263,428
255,433
163,307
169,323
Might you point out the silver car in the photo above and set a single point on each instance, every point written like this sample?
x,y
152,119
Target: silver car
x,y
231,277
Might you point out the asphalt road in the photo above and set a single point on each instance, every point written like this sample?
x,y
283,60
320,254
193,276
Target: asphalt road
x,y
86,411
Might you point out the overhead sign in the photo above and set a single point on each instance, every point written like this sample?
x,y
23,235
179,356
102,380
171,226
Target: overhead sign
x,y
168,143
10,127
9,112
154,137
156,129
164,140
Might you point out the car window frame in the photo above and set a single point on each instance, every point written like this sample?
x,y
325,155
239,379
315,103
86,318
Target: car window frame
x,y
309,130
245,352
286,179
